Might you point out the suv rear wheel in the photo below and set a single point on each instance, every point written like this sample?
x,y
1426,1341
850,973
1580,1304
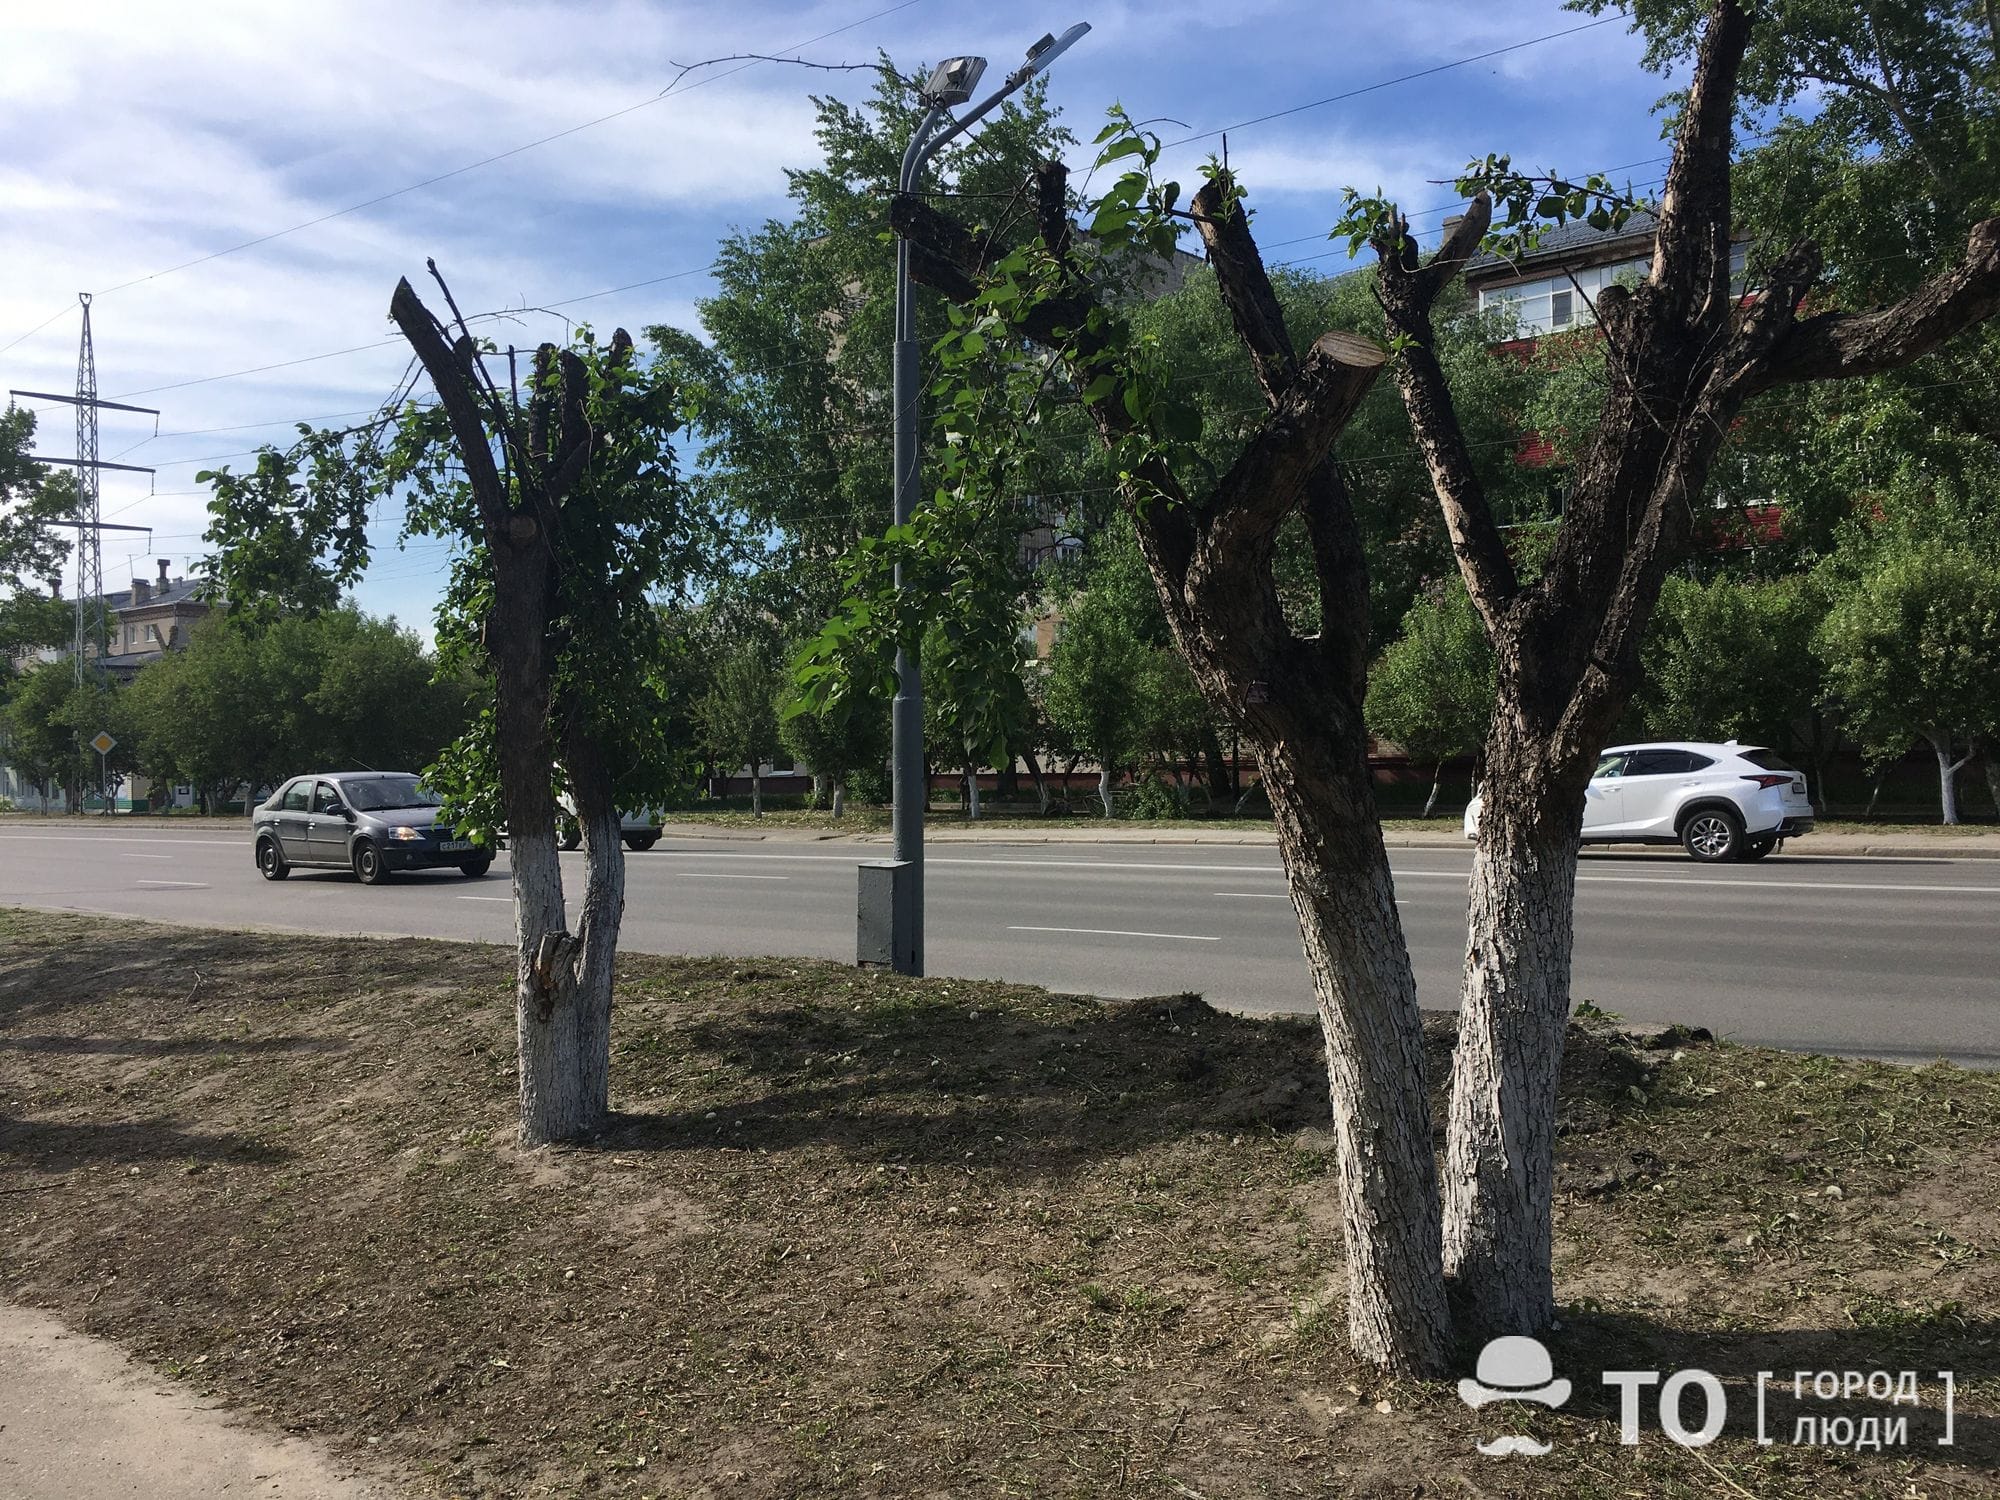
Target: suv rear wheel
x,y
1713,835
639,843
1761,847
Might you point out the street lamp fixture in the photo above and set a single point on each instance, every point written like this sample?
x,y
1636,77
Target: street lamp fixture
x,y
952,81
890,926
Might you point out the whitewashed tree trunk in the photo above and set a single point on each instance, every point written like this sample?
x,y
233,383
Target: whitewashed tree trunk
x,y
1948,770
756,790
839,797
1499,1167
1104,790
1337,870
822,788
1437,776
972,792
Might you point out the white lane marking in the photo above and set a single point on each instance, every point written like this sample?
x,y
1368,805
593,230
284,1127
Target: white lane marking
x,y
486,898
724,875
1268,871
193,885
1181,937
1257,895
145,856
114,838
1737,885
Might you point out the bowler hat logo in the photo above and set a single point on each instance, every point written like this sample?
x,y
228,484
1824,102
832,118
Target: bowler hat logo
x,y
1514,1369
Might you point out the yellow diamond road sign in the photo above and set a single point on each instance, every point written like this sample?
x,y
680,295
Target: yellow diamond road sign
x,y
103,744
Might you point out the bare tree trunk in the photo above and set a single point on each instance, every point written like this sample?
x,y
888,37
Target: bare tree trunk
x,y
1875,794
756,790
1993,776
1104,789
839,797
1431,802
972,793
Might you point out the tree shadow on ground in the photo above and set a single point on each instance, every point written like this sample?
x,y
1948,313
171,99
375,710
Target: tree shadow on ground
x,y
1592,1342
169,1046
50,1146
1014,1089
1009,1087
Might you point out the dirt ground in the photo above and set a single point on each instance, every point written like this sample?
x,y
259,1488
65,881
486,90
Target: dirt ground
x,y
851,1234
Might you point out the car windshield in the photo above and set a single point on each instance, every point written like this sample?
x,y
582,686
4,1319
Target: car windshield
x,y
388,792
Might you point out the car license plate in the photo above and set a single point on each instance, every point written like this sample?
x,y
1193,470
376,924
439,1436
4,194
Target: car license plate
x,y
455,846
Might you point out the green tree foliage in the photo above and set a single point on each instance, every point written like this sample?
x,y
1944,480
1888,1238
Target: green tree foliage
x,y
49,717
844,735
1098,661
1912,653
794,382
31,549
1431,691
739,713
337,691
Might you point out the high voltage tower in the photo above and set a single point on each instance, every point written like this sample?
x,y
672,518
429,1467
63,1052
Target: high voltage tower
x,y
89,642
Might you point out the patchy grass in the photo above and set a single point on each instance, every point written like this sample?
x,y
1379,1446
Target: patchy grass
x,y
853,1234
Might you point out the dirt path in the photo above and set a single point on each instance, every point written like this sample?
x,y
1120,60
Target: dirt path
x,y
81,1421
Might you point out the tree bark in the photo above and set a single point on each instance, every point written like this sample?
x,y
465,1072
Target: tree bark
x,y
839,797
1104,789
1437,776
972,793
1993,776
1337,871
756,790
1513,1018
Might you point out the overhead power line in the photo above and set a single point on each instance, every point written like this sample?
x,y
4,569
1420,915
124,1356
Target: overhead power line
x,y
486,161
1370,88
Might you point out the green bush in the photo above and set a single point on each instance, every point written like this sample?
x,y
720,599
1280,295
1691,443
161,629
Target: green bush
x,y
1154,797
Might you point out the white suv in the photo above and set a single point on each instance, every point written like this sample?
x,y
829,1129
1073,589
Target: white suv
x,y
1718,802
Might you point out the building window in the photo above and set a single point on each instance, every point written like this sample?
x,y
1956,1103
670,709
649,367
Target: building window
x,y
1562,309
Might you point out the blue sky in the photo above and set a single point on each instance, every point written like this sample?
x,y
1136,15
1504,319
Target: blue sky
x,y
142,137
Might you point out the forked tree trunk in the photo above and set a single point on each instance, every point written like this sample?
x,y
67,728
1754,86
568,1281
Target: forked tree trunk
x,y
1948,770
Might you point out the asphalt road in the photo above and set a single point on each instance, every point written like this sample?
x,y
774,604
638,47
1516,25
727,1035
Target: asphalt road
x,y
1878,957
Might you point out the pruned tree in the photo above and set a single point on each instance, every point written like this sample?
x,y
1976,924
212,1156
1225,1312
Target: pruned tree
x,y
1683,356
570,524
1208,536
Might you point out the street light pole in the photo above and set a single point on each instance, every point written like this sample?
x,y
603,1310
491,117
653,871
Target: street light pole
x,y
950,84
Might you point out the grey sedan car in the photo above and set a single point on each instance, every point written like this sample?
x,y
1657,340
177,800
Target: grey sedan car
x,y
370,822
